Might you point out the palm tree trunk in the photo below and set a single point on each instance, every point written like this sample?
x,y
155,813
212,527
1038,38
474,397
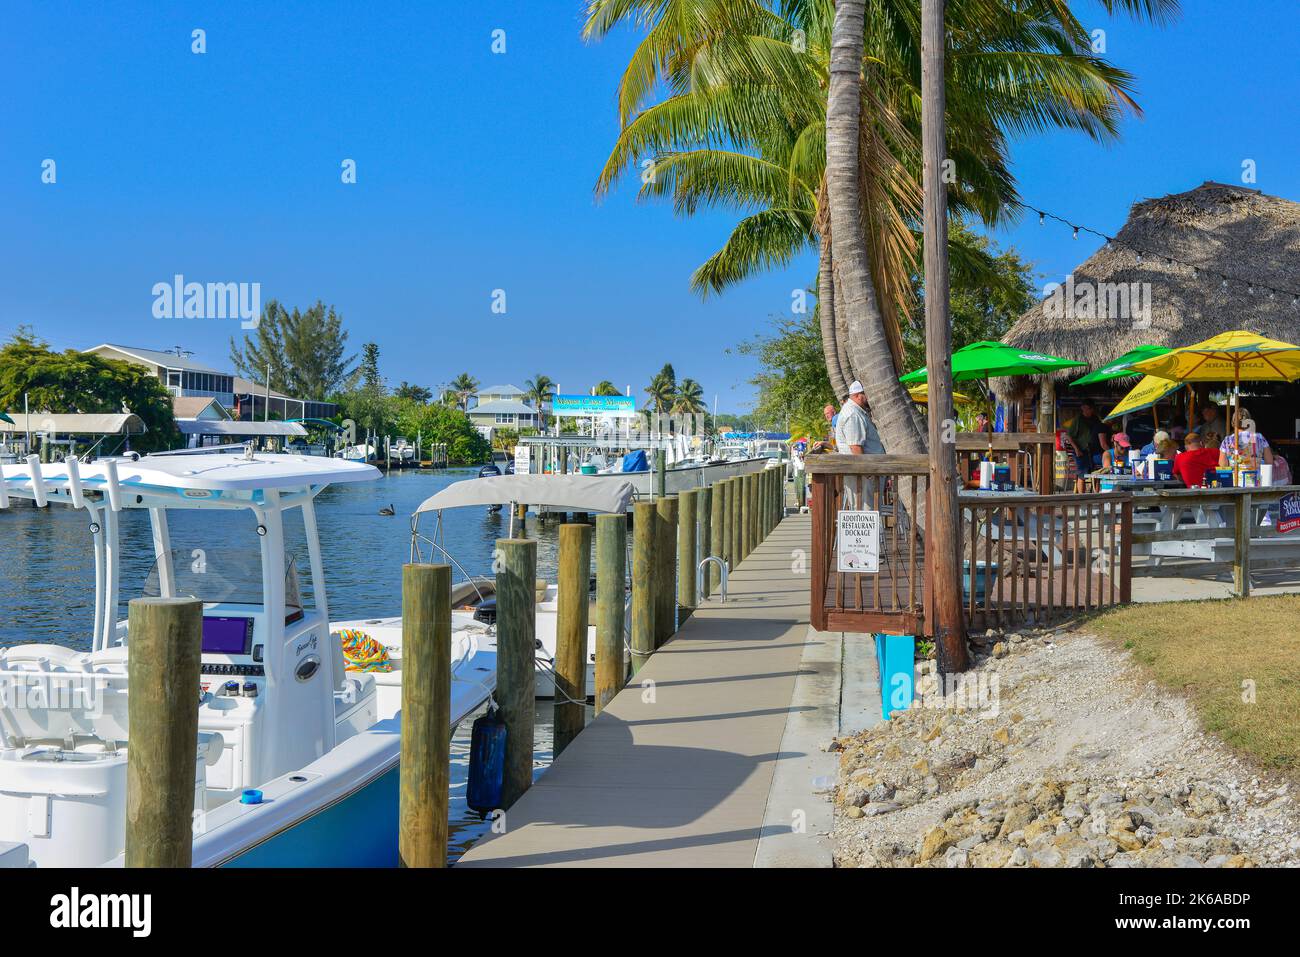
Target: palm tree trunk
x,y
943,525
826,313
868,344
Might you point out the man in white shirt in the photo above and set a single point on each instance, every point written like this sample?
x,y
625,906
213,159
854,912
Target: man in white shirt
x,y
854,432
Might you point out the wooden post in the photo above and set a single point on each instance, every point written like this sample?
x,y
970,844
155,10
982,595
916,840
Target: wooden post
x,y
516,659
163,715
751,500
426,716
801,487
737,520
661,468
943,521
1241,550
665,574
645,594
574,581
706,503
687,514
746,513
611,575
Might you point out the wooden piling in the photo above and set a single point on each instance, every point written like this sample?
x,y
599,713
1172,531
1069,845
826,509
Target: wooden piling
x,y
707,543
516,659
661,473
746,515
722,522
1241,547
163,714
754,538
611,575
573,598
735,536
426,716
665,568
645,606
687,515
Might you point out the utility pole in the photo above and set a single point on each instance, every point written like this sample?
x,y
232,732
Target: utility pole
x,y
943,523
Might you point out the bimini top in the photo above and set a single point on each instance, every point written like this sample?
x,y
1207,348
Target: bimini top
x,y
200,471
575,493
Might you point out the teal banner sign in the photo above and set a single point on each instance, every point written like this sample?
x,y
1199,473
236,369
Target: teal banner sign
x,y
587,405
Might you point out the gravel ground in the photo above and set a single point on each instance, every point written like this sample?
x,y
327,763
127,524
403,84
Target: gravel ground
x,y
1058,753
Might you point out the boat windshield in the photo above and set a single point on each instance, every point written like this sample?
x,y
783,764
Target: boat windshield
x,y
220,574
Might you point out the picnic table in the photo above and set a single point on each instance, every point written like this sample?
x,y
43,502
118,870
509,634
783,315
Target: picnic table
x,y
1127,482
1227,525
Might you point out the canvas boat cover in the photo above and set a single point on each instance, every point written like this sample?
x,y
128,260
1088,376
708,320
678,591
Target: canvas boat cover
x,y
574,493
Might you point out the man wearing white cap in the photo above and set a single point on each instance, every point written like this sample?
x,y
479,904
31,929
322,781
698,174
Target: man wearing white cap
x,y
854,432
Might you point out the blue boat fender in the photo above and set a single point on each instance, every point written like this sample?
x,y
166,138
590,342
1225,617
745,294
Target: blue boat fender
x,y
487,763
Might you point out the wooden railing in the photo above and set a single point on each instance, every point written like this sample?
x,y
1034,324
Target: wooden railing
x,y
1226,529
1025,558
891,600
1028,559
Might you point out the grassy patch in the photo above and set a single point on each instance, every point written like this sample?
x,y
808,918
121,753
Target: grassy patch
x,y
1213,651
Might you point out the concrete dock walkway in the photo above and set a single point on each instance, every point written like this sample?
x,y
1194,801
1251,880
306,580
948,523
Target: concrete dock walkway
x,y
708,758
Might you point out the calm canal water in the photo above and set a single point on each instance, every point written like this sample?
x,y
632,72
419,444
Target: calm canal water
x,y
47,573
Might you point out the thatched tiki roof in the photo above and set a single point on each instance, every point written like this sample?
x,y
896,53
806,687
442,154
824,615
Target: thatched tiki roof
x,y
1218,229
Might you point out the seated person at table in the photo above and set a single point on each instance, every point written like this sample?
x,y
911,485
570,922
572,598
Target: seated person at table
x,y
1158,441
1190,466
1247,442
1088,437
1211,421
1117,454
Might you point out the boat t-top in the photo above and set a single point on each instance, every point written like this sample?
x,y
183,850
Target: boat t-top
x,y
282,711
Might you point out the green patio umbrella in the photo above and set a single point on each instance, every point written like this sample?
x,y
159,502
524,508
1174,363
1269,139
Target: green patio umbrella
x,y
1121,368
992,360
986,360
5,418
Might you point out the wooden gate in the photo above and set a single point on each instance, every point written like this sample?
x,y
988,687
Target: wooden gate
x,y
891,600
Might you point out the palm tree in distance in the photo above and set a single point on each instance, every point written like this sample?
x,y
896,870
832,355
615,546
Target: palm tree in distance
x,y
463,386
689,398
538,389
605,387
661,392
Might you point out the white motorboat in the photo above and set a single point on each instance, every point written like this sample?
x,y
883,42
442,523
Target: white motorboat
x,y
356,453
278,710
578,493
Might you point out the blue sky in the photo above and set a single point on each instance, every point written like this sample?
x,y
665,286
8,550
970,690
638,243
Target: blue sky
x,y
475,173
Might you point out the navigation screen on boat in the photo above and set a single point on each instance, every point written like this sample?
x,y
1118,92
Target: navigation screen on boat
x,y
227,636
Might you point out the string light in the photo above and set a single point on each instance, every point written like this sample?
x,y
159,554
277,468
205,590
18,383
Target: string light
x,y
1111,242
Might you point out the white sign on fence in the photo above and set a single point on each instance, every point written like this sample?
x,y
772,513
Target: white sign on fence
x,y
523,458
857,541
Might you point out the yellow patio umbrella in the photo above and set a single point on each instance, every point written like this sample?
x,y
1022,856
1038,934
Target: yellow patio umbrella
x,y
1150,390
1228,357
921,393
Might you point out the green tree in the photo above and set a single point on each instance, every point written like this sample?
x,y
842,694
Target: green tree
x,y
434,422
689,398
78,382
539,389
662,390
605,387
304,351
791,384
462,387
725,103
413,393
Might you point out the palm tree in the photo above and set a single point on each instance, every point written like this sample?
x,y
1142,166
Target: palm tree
x,y
744,126
464,385
870,351
539,388
605,387
661,392
689,398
